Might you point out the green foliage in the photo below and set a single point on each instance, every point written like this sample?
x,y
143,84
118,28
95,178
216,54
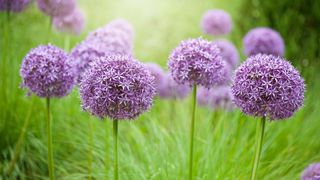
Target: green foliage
x,y
155,146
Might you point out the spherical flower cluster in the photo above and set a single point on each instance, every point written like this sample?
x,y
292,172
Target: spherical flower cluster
x,y
72,23
268,86
118,87
124,26
228,51
170,89
82,55
216,22
312,172
263,40
217,97
46,71
13,5
112,40
55,8
158,74
196,61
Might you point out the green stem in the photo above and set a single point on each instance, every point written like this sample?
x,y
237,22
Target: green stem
x,y
115,149
194,95
106,158
50,153
90,154
67,43
18,146
259,140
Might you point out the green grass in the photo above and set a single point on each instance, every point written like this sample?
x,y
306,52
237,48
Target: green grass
x,y
155,146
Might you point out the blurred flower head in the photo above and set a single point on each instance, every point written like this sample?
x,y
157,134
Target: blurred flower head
x,y
46,71
72,23
228,51
263,40
170,89
158,74
81,56
13,5
196,61
312,172
217,97
266,85
118,87
111,41
123,26
216,22
56,8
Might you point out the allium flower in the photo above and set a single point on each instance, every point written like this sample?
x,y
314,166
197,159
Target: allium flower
x,y
118,87
263,40
114,38
46,71
170,89
55,8
203,95
270,86
221,97
216,22
196,61
228,51
72,23
124,26
312,172
158,74
82,55
13,5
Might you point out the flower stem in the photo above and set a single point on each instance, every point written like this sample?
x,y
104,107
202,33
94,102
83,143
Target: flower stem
x,y
18,146
90,154
115,150
106,158
50,153
194,94
259,140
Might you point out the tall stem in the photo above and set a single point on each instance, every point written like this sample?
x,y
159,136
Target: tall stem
x,y
20,140
90,154
259,140
115,150
194,94
50,153
106,158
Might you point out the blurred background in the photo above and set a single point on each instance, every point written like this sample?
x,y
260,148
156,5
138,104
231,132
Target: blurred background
x,y
154,146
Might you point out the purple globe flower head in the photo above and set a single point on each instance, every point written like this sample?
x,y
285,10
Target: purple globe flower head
x,y
118,87
196,61
228,51
158,74
13,5
111,41
221,98
124,26
216,22
46,71
56,8
312,172
172,90
268,86
72,23
203,95
82,55
263,40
